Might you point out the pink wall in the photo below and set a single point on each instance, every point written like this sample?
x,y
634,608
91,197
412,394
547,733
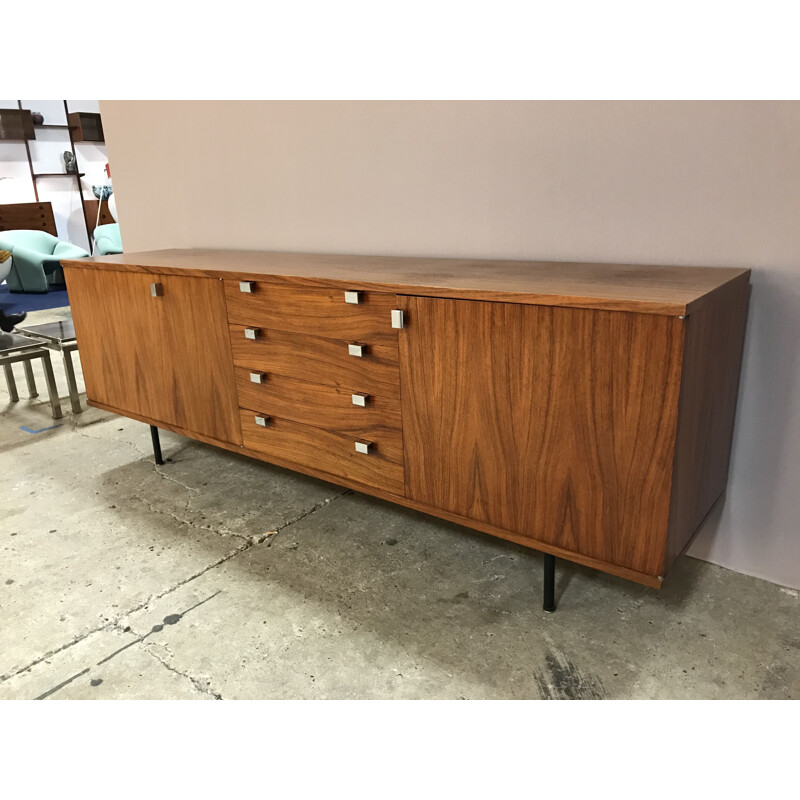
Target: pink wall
x,y
695,183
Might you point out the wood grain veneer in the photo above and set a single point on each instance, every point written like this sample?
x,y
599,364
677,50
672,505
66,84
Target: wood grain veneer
x,y
556,423
331,452
319,360
622,287
317,312
164,357
318,404
27,216
584,410
713,347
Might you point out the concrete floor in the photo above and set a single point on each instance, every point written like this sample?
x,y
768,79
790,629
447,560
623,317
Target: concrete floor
x,y
216,576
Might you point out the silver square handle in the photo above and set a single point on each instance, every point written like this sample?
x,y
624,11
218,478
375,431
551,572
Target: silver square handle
x,y
359,398
357,350
156,289
248,287
364,447
354,297
252,333
262,421
397,318
257,377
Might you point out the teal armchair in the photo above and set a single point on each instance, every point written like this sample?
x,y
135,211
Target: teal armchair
x,y
35,257
107,239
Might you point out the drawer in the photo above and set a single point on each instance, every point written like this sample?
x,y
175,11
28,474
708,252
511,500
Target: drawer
x,y
317,404
326,451
319,360
317,312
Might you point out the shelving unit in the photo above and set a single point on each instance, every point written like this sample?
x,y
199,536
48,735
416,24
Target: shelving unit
x,y
81,127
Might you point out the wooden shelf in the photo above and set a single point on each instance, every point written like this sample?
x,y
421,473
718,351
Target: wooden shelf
x,y
16,125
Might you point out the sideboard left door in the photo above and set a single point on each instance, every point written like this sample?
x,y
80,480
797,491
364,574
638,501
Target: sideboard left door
x,y
157,346
120,341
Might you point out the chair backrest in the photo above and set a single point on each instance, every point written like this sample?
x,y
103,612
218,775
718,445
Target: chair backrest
x,y
107,239
41,241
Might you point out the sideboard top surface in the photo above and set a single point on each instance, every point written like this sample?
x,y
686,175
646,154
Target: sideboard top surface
x,y
614,287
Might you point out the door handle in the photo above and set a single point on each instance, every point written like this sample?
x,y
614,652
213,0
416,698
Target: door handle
x,y
156,289
252,333
257,377
363,447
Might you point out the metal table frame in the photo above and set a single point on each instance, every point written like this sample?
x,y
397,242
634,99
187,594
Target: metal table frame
x,y
66,347
26,353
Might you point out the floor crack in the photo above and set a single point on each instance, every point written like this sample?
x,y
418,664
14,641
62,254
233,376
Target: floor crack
x,y
204,688
316,507
114,621
219,531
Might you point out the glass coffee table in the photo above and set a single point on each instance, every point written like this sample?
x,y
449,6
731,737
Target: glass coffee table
x,y
58,336
25,349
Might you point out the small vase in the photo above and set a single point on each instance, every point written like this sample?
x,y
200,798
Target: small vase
x,y
37,118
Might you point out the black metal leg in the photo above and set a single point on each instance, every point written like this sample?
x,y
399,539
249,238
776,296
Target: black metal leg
x,y
156,444
549,583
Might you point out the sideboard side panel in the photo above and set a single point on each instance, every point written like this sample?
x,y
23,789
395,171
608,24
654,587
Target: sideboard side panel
x,y
557,424
709,388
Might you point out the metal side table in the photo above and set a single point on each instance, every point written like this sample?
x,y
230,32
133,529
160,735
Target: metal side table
x,y
59,336
15,348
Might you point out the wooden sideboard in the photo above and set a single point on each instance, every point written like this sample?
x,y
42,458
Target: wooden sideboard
x,y
584,410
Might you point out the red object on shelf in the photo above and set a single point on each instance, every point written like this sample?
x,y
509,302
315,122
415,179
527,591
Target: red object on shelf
x,y
108,170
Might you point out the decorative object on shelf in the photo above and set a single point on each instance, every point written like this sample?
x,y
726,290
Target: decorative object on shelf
x,y
37,117
70,163
105,191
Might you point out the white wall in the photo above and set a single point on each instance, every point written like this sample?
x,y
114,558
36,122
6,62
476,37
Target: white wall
x,y
684,183
46,154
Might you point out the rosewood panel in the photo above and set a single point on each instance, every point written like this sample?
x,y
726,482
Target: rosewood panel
x,y
166,357
709,387
317,404
326,451
556,424
319,360
318,312
646,288
119,328
202,395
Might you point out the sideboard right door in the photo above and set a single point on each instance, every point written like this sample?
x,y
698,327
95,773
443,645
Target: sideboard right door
x,y
556,424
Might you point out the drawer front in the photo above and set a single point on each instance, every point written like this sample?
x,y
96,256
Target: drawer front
x,y
316,404
326,451
312,358
317,312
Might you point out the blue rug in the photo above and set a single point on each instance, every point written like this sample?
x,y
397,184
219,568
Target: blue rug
x,y
13,303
